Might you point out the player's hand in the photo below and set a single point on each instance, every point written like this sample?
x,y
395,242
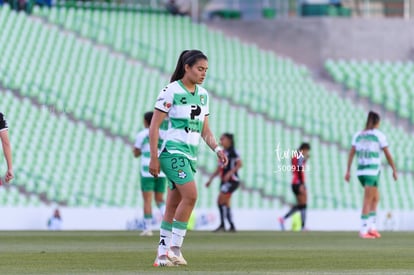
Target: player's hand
x,y
347,176
222,157
395,175
9,175
154,167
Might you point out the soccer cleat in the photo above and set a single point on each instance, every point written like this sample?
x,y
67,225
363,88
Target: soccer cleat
x,y
176,260
163,262
146,233
232,229
221,228
366,236
282,223
374,233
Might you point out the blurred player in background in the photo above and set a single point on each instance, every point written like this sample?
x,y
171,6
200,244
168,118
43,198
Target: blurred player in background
x,y
186,106
298,184
5,142
150,185
229,180
368,144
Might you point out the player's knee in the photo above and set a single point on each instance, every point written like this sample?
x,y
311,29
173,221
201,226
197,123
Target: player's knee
x,y
302,206
190,199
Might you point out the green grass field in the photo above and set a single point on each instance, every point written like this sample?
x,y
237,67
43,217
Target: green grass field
x,y
207,253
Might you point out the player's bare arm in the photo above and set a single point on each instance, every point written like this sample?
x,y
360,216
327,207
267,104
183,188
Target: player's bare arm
x,y
212,143
348,168
391,163
4,136
154,133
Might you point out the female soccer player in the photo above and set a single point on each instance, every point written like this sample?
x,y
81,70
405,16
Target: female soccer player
x,y
186,106
368,144
298,184
4,136
229,180
149,185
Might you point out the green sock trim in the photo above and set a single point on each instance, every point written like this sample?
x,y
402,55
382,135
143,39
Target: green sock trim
x,y
166,226
371,214
180,225
364,217
147,216
160,204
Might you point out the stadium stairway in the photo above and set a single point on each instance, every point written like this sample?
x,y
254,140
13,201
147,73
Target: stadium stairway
x,y
240,116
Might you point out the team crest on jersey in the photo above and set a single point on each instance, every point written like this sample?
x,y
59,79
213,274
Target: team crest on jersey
x,y
202,100
181,174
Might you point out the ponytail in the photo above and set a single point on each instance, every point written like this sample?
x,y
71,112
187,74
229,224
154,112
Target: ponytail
x,y
372,120
187,57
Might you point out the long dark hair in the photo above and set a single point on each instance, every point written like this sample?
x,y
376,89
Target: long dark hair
x,y
187,57
304,146
231,138
372,120
148,117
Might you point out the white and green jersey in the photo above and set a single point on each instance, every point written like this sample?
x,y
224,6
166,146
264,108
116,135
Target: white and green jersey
x,y
368,145
142,143
186,113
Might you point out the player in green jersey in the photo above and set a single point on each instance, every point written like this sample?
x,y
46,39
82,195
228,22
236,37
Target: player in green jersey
x,y
185,104
150,186
367,145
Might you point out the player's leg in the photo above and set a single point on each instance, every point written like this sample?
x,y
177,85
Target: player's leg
x,y
147,187
159,192
181,200
147,197
302,203
227,201
188,192
372,227
295,190
173,200
220,203
370,192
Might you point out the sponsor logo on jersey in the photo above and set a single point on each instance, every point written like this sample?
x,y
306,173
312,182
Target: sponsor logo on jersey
x,y
167,104
183,100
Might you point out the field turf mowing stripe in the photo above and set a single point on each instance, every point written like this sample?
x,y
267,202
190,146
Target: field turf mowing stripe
x,y
73,252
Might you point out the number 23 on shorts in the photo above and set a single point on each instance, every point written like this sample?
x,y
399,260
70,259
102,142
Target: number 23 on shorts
x,y
177,162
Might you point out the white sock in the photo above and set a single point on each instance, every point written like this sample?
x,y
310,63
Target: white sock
x,y
178,237
364,224
372,221
165,241
147,223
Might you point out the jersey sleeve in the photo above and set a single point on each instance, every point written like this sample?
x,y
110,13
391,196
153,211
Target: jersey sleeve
x,y
208,105
139,140
165,100
3,123
382,140
354,139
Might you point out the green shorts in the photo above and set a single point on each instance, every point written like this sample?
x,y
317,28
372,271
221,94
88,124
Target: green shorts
x,y
178,168
369,180
149,184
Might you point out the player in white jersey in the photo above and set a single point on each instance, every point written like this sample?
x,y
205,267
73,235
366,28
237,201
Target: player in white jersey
x,y
185,104
150,185
4,136
367,145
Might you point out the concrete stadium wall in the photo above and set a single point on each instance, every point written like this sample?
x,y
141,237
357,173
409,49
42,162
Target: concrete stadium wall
x,y
313,40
